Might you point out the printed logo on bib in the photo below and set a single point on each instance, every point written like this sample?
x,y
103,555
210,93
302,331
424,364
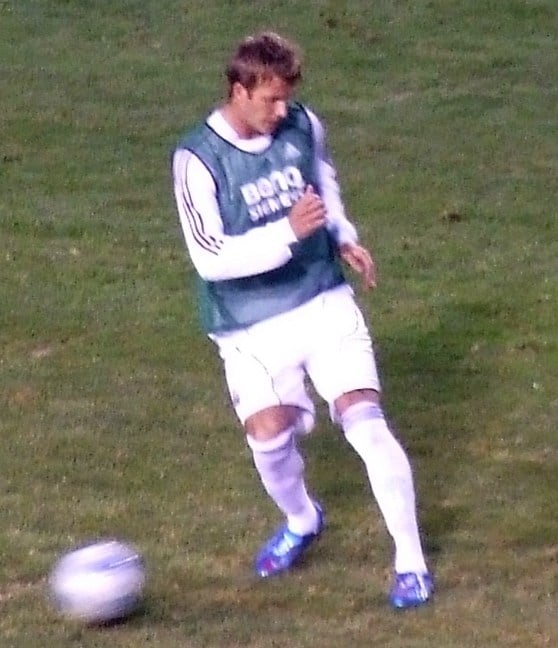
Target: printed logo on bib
x,y
273,193
291,152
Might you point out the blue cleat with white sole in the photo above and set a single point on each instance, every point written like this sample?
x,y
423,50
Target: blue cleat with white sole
x,y
411,590
285,548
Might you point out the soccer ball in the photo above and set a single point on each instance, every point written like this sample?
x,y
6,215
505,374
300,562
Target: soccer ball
x,y
98,583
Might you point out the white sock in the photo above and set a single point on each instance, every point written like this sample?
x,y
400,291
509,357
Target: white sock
x,y
391,479
281,470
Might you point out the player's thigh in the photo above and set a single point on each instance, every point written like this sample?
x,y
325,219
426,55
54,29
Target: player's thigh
x,y
261,377
342,358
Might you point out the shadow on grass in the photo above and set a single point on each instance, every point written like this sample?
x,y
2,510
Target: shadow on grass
x,y
439,387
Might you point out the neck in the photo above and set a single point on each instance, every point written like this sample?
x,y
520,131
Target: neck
x,y
240,127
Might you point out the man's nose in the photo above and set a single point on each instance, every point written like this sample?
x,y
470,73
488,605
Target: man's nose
x,y
281,109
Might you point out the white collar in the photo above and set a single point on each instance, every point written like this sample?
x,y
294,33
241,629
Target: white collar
x,y
222,127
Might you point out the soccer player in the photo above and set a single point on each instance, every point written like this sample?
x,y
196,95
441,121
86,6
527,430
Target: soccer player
x,y
267,232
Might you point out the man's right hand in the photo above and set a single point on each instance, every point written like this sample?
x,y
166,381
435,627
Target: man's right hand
x,y
308,214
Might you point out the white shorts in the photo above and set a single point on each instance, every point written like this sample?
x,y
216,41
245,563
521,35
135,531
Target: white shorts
x,y
325,339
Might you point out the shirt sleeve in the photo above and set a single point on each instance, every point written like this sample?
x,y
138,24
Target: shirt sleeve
x,y
338,224
216,255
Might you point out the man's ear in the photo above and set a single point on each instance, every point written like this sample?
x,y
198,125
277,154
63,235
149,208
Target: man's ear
x,y
238,91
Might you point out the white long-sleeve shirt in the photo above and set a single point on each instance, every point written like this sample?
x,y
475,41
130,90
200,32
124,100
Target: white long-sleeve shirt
x,y
218,256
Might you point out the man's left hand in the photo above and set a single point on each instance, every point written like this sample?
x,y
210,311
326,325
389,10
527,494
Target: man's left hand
x,y
360,260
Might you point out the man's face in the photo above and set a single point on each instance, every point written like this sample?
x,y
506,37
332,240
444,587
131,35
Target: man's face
x,y
260,110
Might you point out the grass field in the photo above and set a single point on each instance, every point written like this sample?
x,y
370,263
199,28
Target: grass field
x,y
115,421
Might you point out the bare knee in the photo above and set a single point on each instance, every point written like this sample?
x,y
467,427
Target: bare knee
x,y
268,423
350,398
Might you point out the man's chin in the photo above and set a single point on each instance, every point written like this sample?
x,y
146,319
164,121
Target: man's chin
x,y
265,130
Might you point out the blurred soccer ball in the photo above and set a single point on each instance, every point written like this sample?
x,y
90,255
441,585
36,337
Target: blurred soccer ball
x,y
99,582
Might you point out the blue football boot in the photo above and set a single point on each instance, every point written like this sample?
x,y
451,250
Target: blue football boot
x,y
285,548
411,590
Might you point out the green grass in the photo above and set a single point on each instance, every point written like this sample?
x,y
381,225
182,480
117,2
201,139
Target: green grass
x,y
115,419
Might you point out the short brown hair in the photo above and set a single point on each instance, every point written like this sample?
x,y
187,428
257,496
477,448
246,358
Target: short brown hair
x,y
262,57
